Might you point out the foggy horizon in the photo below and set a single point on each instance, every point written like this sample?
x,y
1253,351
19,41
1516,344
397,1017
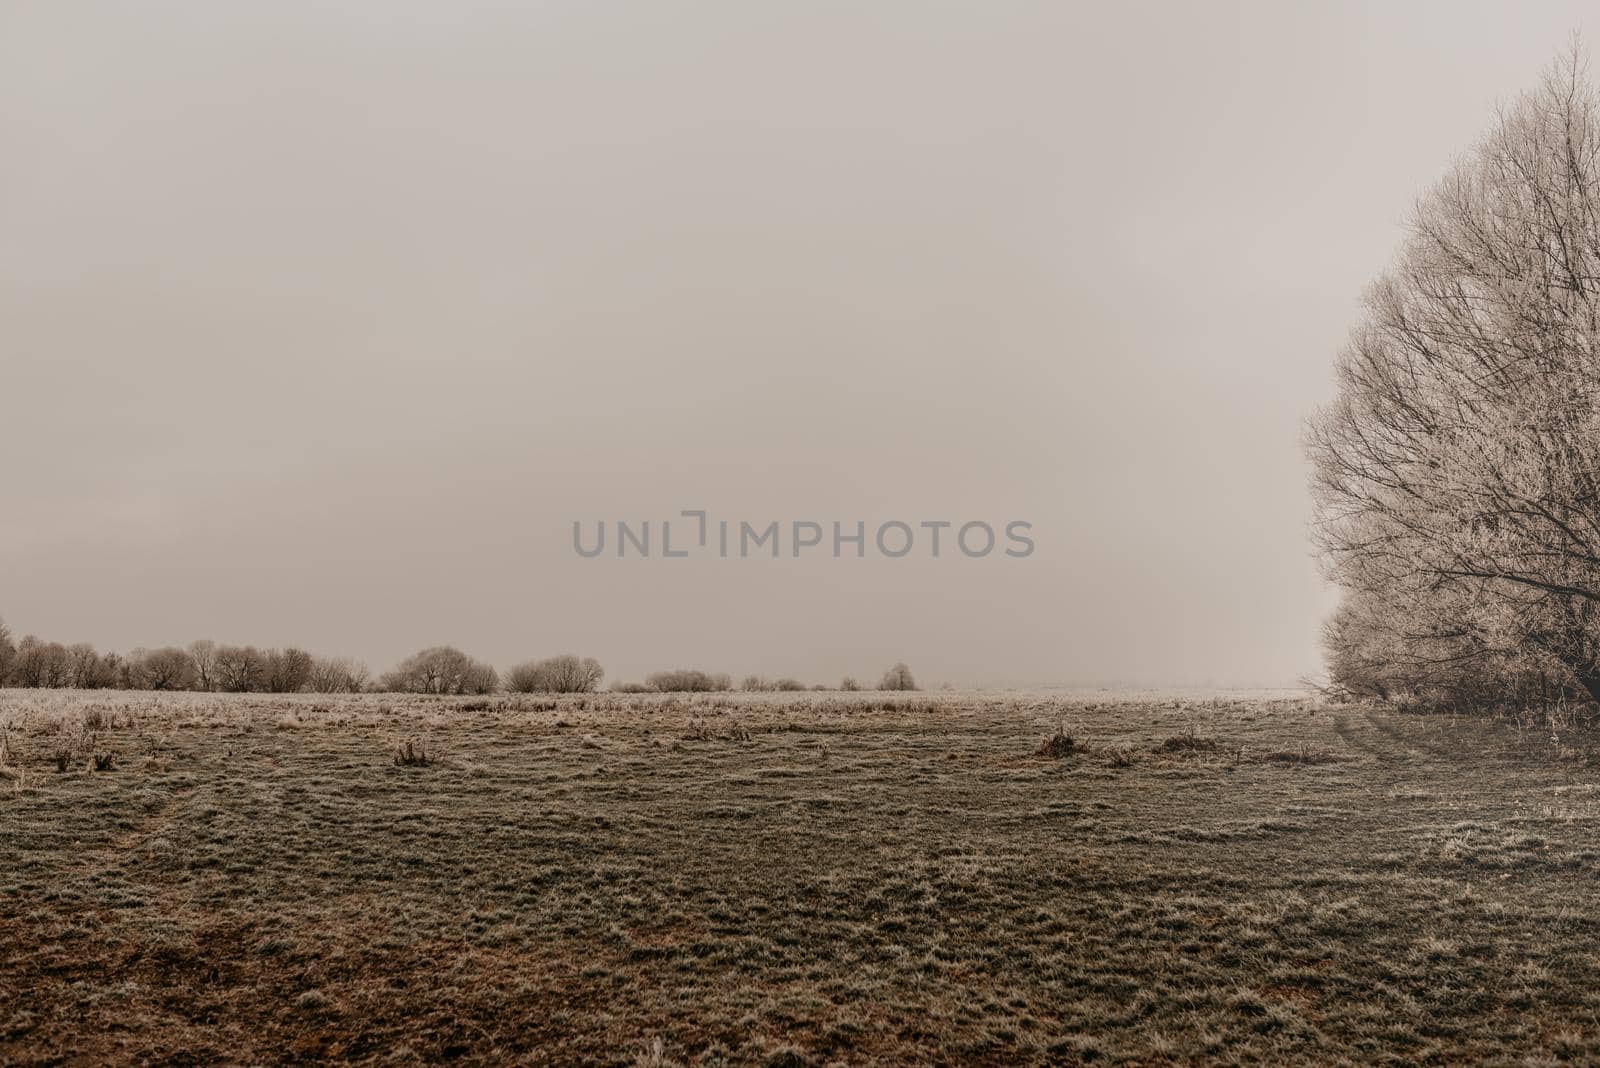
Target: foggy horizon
x,y
324,326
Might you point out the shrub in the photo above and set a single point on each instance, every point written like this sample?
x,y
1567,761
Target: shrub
x,y
442,669
897,678
557,674
688,681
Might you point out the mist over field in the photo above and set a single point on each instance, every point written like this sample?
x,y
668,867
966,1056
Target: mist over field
x,y
329,322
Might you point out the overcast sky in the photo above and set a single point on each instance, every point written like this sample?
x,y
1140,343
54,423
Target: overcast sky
x,y
321,323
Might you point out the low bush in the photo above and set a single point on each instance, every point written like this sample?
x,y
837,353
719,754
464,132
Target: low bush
x,y
558,674
688,681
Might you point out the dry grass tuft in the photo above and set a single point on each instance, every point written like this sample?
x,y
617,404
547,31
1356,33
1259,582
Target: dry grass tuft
x,y
411,754
1188,742
1057,746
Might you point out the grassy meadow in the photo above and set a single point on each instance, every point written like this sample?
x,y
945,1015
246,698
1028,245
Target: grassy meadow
x,y
791,879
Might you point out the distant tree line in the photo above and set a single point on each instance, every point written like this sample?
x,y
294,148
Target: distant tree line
x,y
206,666
32,662
1457,474
694,681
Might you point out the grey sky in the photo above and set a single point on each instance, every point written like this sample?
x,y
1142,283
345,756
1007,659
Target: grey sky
x,y
320,323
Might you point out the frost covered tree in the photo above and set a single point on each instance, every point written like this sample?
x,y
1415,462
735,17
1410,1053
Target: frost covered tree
x,y
1457,474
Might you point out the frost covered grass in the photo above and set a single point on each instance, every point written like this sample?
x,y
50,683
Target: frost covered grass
x,y
791,878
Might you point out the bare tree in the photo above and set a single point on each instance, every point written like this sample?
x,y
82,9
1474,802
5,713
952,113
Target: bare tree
x,y
58,666
897,678
86,668
204,655
1457,473
338,675
8,652
114,670
286,670
41,664
27,665
240,668
168,668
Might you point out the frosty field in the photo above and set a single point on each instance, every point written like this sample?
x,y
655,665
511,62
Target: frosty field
x,y
791,879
